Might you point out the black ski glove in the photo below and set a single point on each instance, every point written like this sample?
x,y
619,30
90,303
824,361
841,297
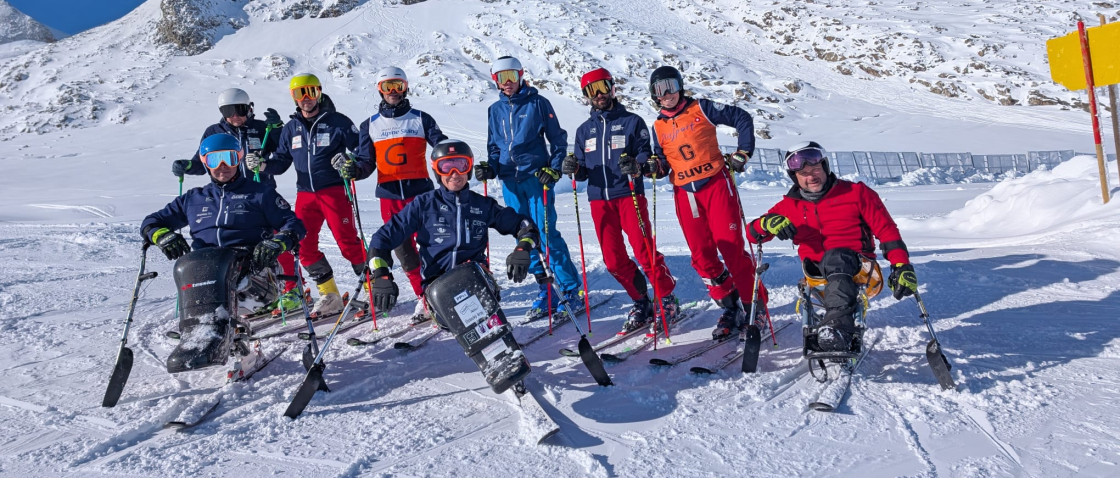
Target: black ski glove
x,y
483,171
571,165
266,252
171,243
738,160
903,282
778,225
272,119
548,176
628,165
517,263
346,166
384,292
179,167
652,167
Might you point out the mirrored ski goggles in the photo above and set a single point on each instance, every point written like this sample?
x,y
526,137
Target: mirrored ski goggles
x,y
302,92
392,86
508,76
214,159
449,165
797,160
229,111
666,86
599,87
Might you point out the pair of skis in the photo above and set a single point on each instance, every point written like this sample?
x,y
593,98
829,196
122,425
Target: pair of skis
x,y
622,339
718,364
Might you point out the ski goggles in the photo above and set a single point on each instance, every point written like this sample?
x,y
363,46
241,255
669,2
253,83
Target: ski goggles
x,y
229,111
313,92
598,87
214,159
449,165
797,160
392,86
508,76
666,86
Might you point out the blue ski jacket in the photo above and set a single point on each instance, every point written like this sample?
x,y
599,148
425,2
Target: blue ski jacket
x,y
252,138
311,143
239,213
600,141
517,130
451,228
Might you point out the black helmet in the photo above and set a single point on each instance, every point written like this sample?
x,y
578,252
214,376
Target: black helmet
x,y
452,148
803,146
664,73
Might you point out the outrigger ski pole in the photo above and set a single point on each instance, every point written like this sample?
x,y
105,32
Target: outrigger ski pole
x,y
312,349
753,334
936,358
124,356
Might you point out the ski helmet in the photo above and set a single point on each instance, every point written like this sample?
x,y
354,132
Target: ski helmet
x,y
449,149
660,81
305,84
506,63
392,73
593,76
234,101
805,152
218,143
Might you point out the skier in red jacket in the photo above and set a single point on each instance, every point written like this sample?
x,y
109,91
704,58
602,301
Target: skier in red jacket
x,y
834,224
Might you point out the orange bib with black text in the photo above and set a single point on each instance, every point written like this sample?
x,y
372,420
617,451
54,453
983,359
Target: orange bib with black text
x,y
399,146
690,145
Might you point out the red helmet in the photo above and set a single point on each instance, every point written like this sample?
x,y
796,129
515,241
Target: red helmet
x,y
598,81
595,75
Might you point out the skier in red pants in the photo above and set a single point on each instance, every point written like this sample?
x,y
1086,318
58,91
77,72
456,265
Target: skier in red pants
x,y
609,149
394,141
686,149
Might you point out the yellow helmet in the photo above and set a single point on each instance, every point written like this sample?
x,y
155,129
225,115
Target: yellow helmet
x,y
305,85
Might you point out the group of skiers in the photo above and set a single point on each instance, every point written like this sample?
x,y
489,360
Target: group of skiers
x,y
834,222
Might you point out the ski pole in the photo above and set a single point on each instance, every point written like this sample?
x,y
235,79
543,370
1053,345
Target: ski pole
x,y
652,253
312,348
753,342
485,193
653,247
547,264
940,365
177,294
582,259
758,277
123,366
257,170
352,194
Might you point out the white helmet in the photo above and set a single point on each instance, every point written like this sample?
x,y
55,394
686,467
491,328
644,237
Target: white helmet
x,y
505,63
392,73
233,96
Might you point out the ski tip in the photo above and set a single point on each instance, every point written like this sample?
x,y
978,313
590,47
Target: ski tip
x,y
700,371
568,353
546,436
610,358
403,346
176,425
355,342
659,362
821,407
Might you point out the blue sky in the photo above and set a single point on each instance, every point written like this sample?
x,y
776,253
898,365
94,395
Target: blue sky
x,y
74,16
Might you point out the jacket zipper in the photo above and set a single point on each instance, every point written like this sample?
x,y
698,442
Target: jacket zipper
x,y
313,150
218,217
509,143
458,232
606,155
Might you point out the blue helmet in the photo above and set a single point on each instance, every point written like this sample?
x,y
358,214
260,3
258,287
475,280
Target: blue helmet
x,y
219,142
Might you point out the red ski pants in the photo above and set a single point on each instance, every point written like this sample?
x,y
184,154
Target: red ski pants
x,y
332,206
613,217
712,227
288,265
407,253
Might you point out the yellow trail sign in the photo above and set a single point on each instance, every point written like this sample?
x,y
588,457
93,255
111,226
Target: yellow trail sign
x,y
1066,65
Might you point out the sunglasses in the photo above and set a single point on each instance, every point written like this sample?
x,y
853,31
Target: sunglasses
x,y
302,92
229,111
666,86
214,159
392,86
598,87
449,165
797,160
508,76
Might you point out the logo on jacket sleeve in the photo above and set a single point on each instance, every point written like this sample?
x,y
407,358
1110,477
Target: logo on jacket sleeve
x,y
282,204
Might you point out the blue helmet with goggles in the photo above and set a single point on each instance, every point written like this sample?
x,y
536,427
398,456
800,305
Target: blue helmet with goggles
x,y
220,148
805,153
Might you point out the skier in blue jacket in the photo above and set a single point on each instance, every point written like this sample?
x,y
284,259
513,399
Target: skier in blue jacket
x,y
452,226
519,123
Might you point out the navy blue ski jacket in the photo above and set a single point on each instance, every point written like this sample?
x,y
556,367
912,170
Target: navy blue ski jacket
x,y
240,213
402,189
310,144
251,136
515,139
451,228
718,114
600,141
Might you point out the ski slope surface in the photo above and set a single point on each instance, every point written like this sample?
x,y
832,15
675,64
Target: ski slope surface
x,y
1020,276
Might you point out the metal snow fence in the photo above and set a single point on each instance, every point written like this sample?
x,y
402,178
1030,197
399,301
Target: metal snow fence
x,y
842,162
911,162
770,159
887,166
957,161
1037,159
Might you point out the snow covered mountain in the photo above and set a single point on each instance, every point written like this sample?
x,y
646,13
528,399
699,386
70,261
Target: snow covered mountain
x,y
15,25
897,67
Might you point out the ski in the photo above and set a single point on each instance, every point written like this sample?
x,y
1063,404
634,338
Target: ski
x,y
356,342
835,390
730,357
351,321
563,318
535,423
620,337
646,339
186,423
418,341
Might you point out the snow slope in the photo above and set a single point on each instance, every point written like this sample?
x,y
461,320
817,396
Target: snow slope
x,y
1020,276
16,25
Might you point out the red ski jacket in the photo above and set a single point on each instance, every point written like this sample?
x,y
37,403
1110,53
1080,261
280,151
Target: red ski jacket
x,y
847,216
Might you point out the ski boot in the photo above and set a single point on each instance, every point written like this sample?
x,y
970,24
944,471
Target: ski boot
x,y
833,339
672,307
420,313
288,302
639,315
733,318
540,307
327,305
575,301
